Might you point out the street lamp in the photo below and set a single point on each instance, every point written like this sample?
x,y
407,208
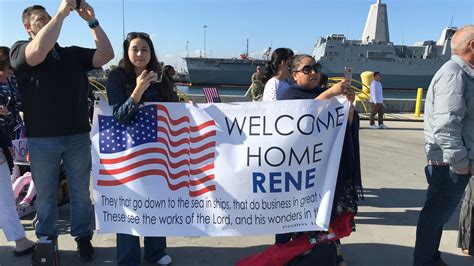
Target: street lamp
x,y
187,50
123,19
204,27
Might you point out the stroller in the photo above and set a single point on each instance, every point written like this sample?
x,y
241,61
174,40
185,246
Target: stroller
x,y
22,165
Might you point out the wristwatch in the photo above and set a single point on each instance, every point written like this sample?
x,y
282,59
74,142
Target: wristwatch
x,y
93,23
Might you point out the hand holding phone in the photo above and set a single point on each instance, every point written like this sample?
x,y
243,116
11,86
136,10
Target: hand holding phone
x,y
348,74
78,4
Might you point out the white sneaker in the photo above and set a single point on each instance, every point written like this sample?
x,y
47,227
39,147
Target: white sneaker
x,y
165,260
373,126
383,126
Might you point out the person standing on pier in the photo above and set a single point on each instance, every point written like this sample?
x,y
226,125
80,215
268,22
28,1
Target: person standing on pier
x,y
376,98
449,145
256,88
53,87
135,81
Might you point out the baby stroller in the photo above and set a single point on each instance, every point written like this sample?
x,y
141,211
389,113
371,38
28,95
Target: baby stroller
x,y
22,169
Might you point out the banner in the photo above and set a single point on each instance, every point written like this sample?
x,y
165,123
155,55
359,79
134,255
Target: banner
x,y
223,169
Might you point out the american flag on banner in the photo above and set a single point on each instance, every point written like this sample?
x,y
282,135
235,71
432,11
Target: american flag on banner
x,y
156,145
211,95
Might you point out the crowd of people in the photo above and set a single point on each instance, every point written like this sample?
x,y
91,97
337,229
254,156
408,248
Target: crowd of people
x,y
43,86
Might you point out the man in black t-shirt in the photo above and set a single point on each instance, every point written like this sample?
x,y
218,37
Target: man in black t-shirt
x,y
54,86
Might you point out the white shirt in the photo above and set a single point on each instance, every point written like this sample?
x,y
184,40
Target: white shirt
x,y
376,95
273,89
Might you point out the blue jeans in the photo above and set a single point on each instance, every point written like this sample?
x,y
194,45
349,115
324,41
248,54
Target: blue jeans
x,y
445,190
46,155
128,249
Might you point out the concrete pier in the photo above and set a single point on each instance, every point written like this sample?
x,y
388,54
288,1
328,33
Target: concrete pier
x,y
392,168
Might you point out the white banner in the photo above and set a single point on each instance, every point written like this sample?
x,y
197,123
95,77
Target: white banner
x,y
217,169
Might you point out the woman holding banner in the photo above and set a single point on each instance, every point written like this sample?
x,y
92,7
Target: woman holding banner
x,y
138,79
306,74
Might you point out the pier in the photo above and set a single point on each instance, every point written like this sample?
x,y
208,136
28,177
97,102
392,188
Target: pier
x,y
392,169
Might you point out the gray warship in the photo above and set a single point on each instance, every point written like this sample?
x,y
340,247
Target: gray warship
x,y
402,66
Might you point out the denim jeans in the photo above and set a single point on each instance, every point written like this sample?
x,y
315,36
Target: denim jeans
x,y
128,249
46,155
445,190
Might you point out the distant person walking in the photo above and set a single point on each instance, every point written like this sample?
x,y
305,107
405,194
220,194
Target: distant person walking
x,y
277,74
376,98
53,88
256,88
449,145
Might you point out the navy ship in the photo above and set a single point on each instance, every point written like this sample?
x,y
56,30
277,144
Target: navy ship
x,y
402,66
222,71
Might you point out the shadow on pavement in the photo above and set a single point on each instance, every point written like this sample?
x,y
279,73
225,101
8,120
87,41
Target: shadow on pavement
x,y
375,254
355,255
397,198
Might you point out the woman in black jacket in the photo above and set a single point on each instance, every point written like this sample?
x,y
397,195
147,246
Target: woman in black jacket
x,y
306,74
138,79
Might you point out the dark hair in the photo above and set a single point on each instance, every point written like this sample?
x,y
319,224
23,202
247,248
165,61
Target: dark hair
x,y
323,80
25,16
4,58
295,61
271,67
129,70
376,73
167,70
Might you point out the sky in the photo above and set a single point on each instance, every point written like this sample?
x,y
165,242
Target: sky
x,y
297,24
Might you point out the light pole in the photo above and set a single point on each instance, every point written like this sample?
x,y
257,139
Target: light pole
x,y
187,49
204,27
123,19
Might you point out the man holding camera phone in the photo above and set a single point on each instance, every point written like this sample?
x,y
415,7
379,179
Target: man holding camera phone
x,y
53,85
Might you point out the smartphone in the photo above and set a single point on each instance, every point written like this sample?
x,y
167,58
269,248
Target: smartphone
x,y
78,4
348,74
159,77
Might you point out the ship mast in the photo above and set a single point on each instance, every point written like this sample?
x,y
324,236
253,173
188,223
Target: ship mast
x,y
247,50
376,26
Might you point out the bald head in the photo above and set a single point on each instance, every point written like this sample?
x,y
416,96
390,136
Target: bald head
x,y
461,41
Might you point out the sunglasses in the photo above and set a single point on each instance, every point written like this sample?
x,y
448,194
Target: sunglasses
x,y
308,68
134,34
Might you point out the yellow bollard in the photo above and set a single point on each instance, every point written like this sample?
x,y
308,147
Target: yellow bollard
x,y
419,96
366,77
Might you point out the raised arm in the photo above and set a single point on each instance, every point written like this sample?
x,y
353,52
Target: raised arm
x,y
45,36
104,52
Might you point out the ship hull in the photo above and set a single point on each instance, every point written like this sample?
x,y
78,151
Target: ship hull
x,y
220,71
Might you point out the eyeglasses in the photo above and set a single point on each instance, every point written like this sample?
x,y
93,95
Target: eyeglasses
x,y
134,34
308,68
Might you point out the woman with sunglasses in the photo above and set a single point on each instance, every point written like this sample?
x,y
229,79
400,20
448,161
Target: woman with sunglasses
x,y
138,79
276,74
306,74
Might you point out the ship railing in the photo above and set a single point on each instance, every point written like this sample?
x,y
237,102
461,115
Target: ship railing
x,y
359,88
